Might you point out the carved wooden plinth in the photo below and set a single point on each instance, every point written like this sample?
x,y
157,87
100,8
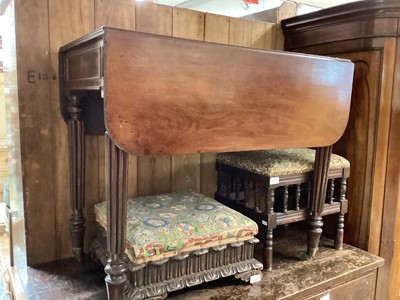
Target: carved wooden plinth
x,y
186,269
76,142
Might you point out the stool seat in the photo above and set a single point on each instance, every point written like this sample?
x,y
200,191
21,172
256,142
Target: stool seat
x,y
278,162
162,226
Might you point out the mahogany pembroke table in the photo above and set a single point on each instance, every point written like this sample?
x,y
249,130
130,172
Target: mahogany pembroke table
x,y
157,95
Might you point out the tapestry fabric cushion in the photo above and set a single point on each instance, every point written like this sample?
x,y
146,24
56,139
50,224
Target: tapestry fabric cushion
x,y
278,162
165,225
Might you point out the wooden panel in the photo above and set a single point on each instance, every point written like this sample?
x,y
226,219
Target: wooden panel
x,y
216,31
117,14
394,287
185,169
153,173
358,145
191,96
279,39
359,288
36,129
67,21
240,32
262,35
188,24
382,138
153,18
392,200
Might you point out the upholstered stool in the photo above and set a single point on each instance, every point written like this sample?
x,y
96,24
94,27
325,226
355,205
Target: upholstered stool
x,y
183,239
273,187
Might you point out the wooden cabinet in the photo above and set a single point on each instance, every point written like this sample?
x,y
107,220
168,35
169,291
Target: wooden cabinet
x,y
366,32
360,288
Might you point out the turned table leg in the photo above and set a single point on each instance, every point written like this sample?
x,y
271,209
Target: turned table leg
x,y
343,210
116,197
76,141
271,225
320,182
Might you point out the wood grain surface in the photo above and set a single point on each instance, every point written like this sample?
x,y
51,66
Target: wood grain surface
x,y
358,145
185,169
199,91
36,130
216,31
154,172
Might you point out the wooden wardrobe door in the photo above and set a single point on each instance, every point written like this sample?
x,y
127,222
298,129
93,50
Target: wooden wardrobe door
x,y
358,145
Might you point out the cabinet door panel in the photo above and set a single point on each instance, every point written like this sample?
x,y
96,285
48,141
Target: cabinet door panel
x,y
358,145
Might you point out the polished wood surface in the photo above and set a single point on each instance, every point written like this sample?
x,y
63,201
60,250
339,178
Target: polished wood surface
x,y
187,24
158,19
179,86
192,79
367,33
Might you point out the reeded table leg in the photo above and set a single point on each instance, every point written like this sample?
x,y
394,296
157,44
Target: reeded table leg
x,y
320,182
76,141
116,197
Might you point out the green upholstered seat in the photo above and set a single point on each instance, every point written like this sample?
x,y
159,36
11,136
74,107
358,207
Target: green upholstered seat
x,y
165,225
278,162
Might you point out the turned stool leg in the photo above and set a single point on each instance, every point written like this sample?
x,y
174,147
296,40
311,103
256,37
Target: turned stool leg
x,y
320,181
339,233
285,207
343,210
271,225
76,144
116,197
268,251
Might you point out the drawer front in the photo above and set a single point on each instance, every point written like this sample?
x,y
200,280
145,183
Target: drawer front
x,y
361,288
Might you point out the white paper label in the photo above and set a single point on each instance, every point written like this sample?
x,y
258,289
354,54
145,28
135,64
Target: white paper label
x,y
274,180
326,297
255,278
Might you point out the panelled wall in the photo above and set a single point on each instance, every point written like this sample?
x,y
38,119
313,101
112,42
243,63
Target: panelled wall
x,y
42,27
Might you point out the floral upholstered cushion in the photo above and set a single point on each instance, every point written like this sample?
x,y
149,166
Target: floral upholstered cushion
x,y
278,162
165,225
